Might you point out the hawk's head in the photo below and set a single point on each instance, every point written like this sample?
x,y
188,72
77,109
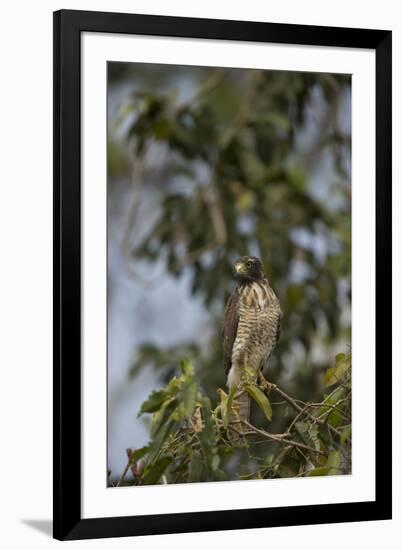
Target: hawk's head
x,y
248,269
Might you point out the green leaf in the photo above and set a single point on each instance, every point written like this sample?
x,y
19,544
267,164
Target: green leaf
x,y
153,472
167,406
335,374
228,409
333,462
137,454
158,441
208,433
220,475
313,432
335,418
303,429
296,177
261,399
331,399
345,434
289,468
187,369
157,397
154,402
173,386
321,471
331,467
196,466
223,406
324,435
215,462
189,398
179,413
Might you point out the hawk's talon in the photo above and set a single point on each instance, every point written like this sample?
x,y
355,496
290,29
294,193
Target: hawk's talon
x,y
265,383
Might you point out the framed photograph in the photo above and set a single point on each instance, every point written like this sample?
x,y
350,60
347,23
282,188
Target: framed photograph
x,y
222,249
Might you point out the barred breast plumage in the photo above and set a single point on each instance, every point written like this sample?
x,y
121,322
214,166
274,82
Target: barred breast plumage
x,y
258,326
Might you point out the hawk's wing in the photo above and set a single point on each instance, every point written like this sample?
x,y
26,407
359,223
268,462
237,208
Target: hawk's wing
x,y
278,329
230,323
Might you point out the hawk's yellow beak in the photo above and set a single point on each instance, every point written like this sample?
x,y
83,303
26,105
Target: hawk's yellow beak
x,y
240,267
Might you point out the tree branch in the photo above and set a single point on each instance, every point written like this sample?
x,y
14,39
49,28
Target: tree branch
x,y
300,409
281,439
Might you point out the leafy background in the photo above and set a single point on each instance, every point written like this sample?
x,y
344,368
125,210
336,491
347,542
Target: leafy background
x,y
204,165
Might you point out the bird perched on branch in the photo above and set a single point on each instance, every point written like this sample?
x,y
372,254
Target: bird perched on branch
x,y
251,326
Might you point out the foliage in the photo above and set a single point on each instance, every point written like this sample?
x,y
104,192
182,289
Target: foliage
x,y
247,161
235,165
192,442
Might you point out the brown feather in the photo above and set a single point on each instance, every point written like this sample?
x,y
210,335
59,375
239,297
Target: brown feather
x,y
278,330
230,323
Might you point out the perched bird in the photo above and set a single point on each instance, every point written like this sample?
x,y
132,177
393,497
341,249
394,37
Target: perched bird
x,y
251,326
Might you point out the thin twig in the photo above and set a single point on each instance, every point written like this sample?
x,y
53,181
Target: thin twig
x,y
296,418
123,475
298,408
281,439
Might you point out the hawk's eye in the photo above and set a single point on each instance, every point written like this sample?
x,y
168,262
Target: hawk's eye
x,y
249,264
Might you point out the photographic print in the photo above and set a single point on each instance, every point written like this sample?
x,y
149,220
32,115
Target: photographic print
x,y
229,274
203,288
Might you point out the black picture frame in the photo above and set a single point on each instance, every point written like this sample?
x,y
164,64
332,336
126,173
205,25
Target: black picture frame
x,y
68,26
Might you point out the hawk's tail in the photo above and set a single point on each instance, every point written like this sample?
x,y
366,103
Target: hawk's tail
x,y
244,404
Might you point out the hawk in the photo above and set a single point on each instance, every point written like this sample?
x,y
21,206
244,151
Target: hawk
x,y
251,326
